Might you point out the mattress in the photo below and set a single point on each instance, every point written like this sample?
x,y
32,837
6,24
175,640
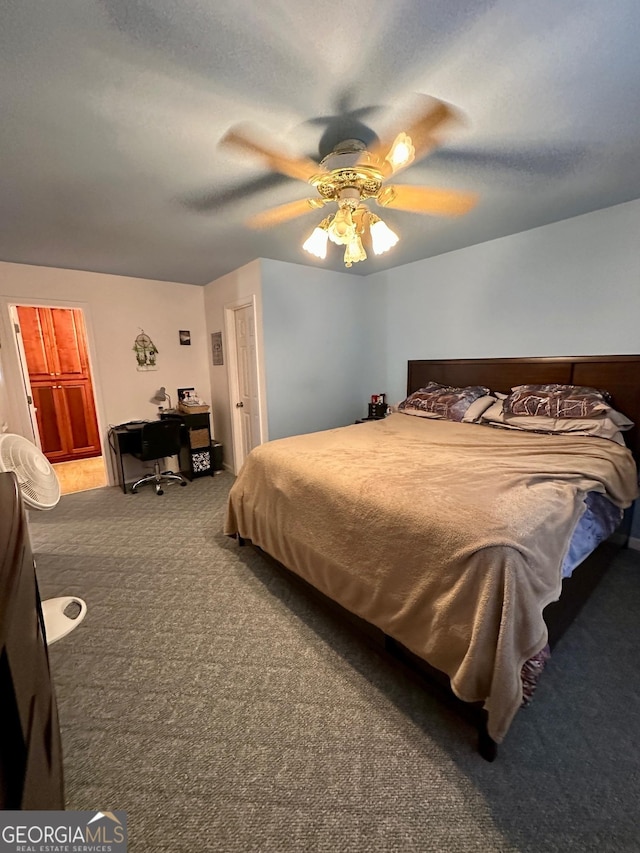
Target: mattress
x,y
600,519
449,537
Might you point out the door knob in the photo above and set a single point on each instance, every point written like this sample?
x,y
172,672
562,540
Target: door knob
x,y
239,405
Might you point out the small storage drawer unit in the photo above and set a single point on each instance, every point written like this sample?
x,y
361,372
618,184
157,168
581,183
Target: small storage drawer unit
x,y
196,459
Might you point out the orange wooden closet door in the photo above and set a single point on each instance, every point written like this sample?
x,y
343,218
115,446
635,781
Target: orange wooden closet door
x,y
55,346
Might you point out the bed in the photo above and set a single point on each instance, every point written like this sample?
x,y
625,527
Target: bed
x,y
446,538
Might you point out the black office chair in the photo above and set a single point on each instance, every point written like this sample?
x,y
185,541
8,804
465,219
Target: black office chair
x,y
159,439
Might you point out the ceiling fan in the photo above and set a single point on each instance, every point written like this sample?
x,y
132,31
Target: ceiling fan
x,y
353,174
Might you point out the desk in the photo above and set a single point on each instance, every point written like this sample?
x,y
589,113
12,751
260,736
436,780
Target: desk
x,y
195,457
123,440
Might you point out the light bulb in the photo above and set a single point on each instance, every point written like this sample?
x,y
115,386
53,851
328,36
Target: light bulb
x,y
354,252
316,243
402,151
382,237
342,229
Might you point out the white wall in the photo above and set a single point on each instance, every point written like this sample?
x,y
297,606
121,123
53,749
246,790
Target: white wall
x,y
324,350
237,286
115,308
570,288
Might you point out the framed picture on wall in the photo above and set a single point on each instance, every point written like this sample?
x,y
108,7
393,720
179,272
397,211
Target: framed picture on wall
x,y
216,348
185,338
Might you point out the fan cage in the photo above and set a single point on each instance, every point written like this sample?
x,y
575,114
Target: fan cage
x,y
35,474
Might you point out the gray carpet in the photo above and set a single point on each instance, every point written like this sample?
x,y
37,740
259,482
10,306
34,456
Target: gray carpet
x,y
225,711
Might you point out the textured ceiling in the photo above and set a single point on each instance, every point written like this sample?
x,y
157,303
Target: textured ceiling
x,y
112,110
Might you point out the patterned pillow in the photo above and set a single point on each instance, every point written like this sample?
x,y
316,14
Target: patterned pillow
x,y
442,401
610,424
556,401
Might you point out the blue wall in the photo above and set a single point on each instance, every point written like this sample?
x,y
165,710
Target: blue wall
x,y
322,356
332,340
570,288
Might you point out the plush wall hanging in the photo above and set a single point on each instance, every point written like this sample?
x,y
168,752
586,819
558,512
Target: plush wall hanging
x,y
146,352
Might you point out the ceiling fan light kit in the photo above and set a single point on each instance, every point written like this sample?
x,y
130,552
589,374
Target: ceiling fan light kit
x,y
342,229
402,152
316,243
382,237
352,174
347,227
354,252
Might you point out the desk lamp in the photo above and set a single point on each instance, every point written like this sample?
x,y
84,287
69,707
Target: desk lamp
x,y
161,396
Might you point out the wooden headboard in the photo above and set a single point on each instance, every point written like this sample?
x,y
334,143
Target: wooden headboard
x,y
617,374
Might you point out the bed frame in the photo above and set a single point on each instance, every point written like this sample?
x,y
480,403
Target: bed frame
x,y
620,376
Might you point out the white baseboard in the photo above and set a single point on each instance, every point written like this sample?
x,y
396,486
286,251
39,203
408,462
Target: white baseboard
x,y
634,543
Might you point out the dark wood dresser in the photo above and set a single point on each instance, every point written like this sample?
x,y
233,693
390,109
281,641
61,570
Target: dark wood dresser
x,y
30,749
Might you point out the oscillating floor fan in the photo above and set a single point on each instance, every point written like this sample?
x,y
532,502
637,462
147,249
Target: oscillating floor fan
x,y
41,490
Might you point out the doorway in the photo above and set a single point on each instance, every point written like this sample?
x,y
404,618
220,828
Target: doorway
x,y
53,350
244,379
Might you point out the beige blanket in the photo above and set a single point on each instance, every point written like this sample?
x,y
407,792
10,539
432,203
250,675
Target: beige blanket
x,y
449,537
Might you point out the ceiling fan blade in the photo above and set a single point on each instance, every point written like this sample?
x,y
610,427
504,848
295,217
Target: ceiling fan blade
x,y
250,139
213,199
284,212
429,200
420,134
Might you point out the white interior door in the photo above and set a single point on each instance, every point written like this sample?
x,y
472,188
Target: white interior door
x,y
247,406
